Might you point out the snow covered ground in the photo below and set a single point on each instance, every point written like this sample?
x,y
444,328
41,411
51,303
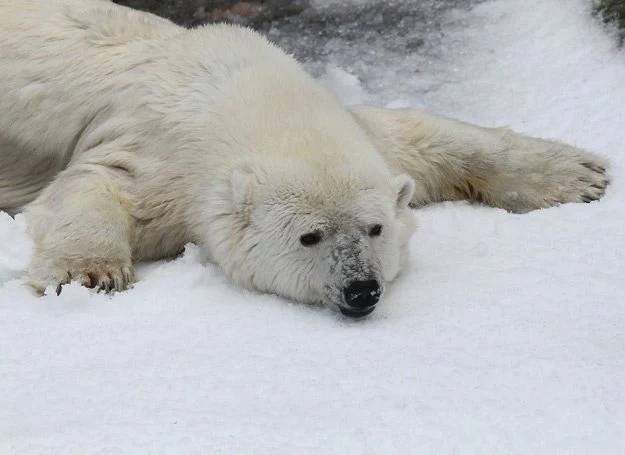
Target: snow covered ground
x,y
505,335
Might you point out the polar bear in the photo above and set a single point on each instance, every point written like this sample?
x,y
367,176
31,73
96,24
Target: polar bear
x,y
124,136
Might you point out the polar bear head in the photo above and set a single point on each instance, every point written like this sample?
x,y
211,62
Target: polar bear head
x,y
330,234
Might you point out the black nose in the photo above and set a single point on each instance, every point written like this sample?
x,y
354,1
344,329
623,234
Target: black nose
x,y
362,294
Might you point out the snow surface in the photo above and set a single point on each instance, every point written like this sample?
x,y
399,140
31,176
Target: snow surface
x,y
505,335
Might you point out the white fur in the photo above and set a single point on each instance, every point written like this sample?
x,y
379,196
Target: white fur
x,y
125,136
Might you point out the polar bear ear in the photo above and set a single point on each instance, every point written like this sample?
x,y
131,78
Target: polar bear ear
x,y
404,187
242,183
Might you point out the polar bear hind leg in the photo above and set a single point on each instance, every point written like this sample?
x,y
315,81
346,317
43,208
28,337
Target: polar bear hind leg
x,y
452,160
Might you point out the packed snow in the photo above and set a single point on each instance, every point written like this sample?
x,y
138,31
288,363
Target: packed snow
x,y
506,334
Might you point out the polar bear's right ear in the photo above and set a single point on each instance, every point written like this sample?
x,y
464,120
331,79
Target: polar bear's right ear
x,y
404,187
242,183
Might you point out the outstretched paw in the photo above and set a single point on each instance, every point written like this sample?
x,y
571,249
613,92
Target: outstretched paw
x,y
594,181
103,275
548,173
577,176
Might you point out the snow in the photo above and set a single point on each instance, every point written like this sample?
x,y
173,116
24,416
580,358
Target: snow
x,y
504,335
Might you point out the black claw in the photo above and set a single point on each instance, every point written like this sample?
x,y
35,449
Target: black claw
x,y
588,199
92,280
103,286
594,167
59,289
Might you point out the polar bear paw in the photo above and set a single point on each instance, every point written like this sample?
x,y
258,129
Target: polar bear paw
x,y
557,174
594,183
583,179
101,274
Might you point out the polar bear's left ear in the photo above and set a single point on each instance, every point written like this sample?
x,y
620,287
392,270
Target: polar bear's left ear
x,y
242,183
404,188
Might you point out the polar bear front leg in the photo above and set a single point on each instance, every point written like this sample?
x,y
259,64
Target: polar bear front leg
x,y
82,229
453,160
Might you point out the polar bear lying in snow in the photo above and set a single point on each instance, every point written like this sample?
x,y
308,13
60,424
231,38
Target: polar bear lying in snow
x,y
124,136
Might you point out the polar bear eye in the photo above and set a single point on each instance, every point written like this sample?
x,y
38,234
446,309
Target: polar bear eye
x,y
310,239
375,230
